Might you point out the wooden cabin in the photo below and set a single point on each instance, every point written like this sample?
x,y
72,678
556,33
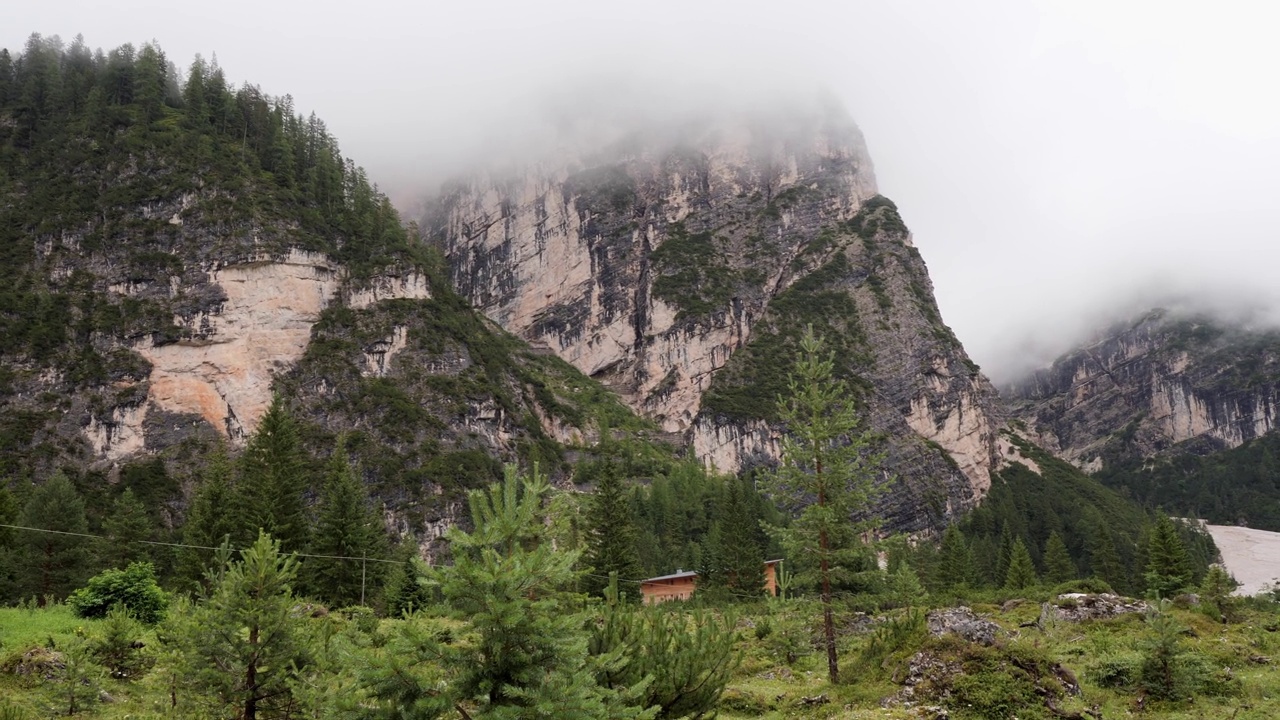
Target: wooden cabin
x,y
681,584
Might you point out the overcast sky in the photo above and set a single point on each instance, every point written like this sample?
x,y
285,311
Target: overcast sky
x,y
1057,161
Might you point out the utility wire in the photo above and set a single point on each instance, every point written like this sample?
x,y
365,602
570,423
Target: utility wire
x,y
184,545
298,554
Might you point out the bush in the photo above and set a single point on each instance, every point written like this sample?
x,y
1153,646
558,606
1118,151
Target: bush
x,y
118,645
134,587
1117,670
1091,585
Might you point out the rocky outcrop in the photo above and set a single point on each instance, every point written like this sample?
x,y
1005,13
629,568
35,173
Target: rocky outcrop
x,y
1078,607
679,273
963,622
1141,387
223,367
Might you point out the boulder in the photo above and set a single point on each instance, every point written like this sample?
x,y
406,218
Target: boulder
x,y
963,622
1077,607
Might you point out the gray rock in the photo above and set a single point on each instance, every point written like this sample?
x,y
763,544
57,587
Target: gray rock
x,y
1077,607
963,622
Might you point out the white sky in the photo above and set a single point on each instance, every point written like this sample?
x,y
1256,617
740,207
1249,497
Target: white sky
x,y
1057,160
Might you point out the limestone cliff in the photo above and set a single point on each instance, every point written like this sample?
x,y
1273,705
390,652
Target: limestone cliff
x,y
677,272
1142,386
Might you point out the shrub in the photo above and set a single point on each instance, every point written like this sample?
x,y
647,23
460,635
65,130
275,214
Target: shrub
x,y
1084,585
1116,670
134,587
789,640
1168,672
118,645
365,620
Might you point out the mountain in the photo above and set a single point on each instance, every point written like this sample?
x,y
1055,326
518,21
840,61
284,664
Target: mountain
x,y
679,265
1176,409
175,252
1143,386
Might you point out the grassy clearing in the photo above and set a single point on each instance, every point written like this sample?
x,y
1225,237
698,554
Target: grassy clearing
x,y
783,673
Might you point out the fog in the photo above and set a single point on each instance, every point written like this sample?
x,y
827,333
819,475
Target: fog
x,y
1060,163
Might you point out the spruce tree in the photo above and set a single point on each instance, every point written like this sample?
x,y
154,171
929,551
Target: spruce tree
x,y
741,561
1003,555
1058,565
827,473
124,528
1022,572
54,564
8,544
527,651
611,533
955,564
1104,560
1168,567
211,521
405,591
347,527
272,483
241,649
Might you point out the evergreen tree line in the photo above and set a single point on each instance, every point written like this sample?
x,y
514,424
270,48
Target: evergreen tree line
x,y
267,489
1169,558
501,633
1237,486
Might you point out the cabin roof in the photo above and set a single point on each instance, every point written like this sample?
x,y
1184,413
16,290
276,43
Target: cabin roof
x,y
673,576
691,573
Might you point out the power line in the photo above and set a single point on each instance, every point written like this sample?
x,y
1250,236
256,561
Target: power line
x,y
184,545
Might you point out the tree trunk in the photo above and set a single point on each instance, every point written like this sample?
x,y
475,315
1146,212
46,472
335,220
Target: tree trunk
x,y
824,569
828,623
251,679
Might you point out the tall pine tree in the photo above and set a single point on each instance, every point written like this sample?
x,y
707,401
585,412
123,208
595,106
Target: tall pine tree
x,y
955,564
827,473
211,519
54,563
124,528
346,527
1058,565
273,480
611,533
740,556
1022,571
1168,567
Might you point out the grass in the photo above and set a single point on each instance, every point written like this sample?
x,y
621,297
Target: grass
x,y
994,684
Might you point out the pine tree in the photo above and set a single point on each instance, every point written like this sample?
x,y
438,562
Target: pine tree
x,y
527,653
1104,559
347,527
740,556
1058,565
1003,555
680,663
1168,568
211,519
242,648
405,591
611,533
1215,593
272,482
955,564
124,529
827,469
8,543
54,564
1022,572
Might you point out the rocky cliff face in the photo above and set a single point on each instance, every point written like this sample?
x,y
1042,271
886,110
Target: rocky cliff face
x,y
1141,387
678,273
166,344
